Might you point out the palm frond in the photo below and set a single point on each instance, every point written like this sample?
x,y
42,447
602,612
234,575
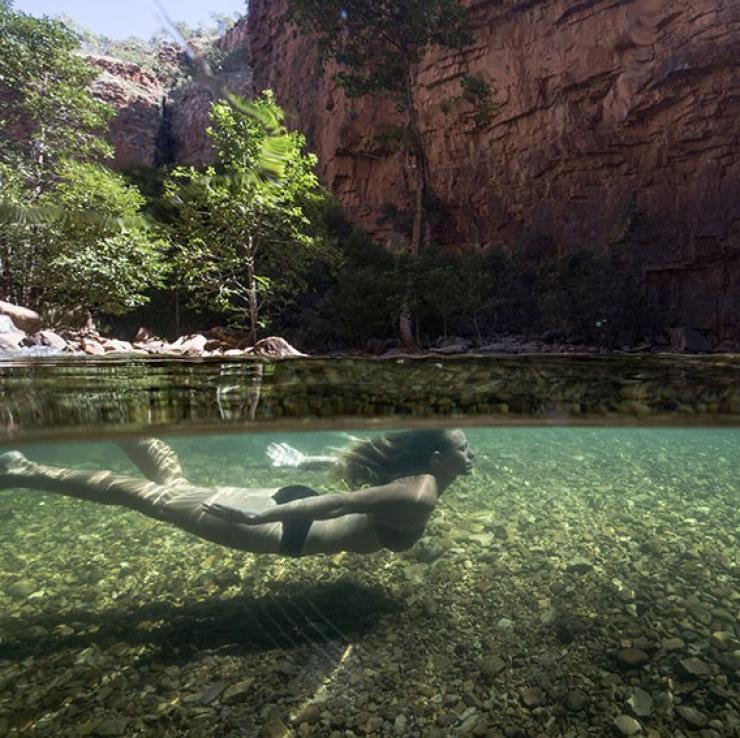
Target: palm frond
x,y
16,214
276,144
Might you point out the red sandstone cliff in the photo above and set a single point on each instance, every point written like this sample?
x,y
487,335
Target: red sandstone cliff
x,y
138,98
611,119
155,124
189,107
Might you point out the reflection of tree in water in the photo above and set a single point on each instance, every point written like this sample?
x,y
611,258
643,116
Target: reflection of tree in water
x,y
240,388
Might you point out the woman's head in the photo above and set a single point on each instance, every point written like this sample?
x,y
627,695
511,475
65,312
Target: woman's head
x,y
405,453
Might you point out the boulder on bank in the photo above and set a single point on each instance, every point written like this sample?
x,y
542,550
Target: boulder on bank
x,y
274,347
24,319
144,335
91,346
11,339
452,345
218,341
686,339
52,340
229,338
193,345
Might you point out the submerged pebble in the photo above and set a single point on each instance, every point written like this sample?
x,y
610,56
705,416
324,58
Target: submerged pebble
x,y
640,702
22,589
692,716
626,725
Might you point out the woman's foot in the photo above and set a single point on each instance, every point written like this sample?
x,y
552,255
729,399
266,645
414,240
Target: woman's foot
x,y
11,462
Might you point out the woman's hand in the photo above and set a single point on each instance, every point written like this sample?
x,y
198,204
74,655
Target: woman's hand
x,y
232,514
281,454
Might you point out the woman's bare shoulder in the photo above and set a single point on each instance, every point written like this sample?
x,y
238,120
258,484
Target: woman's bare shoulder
x,y
421,488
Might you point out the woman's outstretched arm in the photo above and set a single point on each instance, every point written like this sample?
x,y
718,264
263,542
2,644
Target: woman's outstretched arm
x,y
422,492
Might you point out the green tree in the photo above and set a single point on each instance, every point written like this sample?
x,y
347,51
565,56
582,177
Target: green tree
x,y
46,107
70,231
243,241
104,264
378,46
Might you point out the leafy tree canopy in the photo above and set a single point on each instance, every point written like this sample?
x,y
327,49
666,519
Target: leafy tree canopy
x,y
377,46
244,240
375,42
45,104
71,235
105,264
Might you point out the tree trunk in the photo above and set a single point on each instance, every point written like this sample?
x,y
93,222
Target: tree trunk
x,y
177,314
477,327
252,291
406,327
418,236
406,318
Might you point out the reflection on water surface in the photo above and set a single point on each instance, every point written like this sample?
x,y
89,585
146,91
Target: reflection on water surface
x,y
52,398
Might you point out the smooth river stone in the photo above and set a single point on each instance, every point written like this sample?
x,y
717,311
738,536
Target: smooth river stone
x,y
627,725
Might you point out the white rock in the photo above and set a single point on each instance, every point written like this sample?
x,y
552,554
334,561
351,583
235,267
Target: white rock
x,y
53,340
24,319
11,341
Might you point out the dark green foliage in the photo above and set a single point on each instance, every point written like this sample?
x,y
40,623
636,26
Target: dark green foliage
x,y
243,241
354,299
586,296
401,220
394,138
376,42
475,93
103,265
71,232
45,104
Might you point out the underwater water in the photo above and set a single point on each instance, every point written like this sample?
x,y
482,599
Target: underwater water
x,y
582,581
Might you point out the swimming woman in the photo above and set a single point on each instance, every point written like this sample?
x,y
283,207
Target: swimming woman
x,y
407,471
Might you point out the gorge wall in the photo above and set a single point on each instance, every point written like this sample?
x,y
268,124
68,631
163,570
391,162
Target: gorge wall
x,y
156,124
138,97
611,121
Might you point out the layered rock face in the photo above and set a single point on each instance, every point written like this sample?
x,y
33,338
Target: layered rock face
x,y
609,121
157,125
138,97
187,113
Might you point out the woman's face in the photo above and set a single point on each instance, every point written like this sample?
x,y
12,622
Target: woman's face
x,y
457,458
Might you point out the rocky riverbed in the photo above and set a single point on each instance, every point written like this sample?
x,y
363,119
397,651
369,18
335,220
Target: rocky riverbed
x,y
582,582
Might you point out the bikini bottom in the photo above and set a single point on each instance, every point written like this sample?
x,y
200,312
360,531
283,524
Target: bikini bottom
x,y
294,531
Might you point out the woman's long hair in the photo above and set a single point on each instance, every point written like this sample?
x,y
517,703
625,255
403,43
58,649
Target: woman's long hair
x,y
391,456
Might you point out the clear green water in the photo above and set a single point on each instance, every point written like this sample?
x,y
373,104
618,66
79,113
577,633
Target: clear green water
x,y
112,623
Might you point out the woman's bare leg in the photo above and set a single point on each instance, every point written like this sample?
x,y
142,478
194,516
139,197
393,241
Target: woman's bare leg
x,y
180,503
155,459
103,487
